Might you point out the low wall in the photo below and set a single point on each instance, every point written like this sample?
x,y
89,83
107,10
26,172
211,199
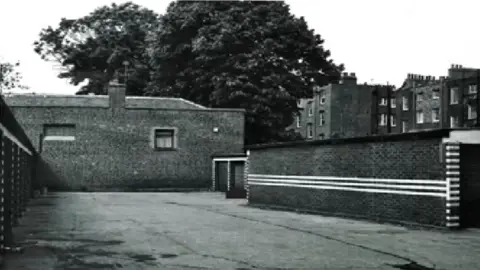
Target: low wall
x,y
396,178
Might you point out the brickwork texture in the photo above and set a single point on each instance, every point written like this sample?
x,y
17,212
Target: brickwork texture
x,y
391,157
113,146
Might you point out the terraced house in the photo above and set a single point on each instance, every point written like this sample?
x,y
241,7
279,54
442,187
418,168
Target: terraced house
x,y
426,102
349,109
346,109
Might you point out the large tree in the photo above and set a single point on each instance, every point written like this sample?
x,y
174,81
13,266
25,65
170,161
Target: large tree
x,y
10,77
101,43
241,54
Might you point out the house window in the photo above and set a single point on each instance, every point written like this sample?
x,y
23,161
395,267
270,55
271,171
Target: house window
x,y
323,97
310,109
454,95
309,131
472,89
393,121
436,93
405,103
472,113
164,138
420,97
321,136
419,117
453,121
382,121
435,115
321,118
404,126
298,121
393,103
59,132
383,102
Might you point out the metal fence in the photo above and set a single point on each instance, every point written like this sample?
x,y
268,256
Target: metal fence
x,y
17,171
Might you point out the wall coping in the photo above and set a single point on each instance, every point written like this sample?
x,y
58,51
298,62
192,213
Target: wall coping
x,y
419,135
198,107
228,155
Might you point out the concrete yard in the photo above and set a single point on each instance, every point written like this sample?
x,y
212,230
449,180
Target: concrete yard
x,y
206,231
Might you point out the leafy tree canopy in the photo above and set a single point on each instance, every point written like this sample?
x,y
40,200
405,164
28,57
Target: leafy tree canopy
x,y
241,54
96,46
10,77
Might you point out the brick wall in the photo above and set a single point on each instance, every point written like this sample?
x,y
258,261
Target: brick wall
x,y
113,149
395,178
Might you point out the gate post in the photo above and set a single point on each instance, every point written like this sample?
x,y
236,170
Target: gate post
x,y
245,175
452,177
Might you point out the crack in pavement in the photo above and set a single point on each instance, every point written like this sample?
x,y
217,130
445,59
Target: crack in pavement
x,y
411,261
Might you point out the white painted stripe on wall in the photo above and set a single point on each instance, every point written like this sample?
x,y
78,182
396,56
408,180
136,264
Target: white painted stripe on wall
x,y
453,199
453,167
452,160
434,194
9,135
452,154
355,179
258,180
454,186
452,147
231,159
454,192
453,218
448,211
453,204
453,173
453,179
453,224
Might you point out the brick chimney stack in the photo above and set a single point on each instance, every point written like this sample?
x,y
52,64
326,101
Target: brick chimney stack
x,y
348,78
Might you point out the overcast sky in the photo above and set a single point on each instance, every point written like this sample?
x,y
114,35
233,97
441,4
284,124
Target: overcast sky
x,y
381,41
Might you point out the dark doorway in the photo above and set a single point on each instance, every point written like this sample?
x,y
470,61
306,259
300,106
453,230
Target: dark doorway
x,y
221,175
470,185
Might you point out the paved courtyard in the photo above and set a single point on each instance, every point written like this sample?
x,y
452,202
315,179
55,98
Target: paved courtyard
x,y
206,231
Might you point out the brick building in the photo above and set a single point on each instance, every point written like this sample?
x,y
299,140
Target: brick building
x,y
461,97
419,103
119,142
346,109
425,102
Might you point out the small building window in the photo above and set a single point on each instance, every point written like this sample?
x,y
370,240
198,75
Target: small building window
x,y
164,138
419,117
404,126
454,95
298,121
405,103
393,103
310,131
59,132
436,93
472,89
323,97
435,115
383,102
321,118
393,121
310,109
382,121
321,136
419,97
472,112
